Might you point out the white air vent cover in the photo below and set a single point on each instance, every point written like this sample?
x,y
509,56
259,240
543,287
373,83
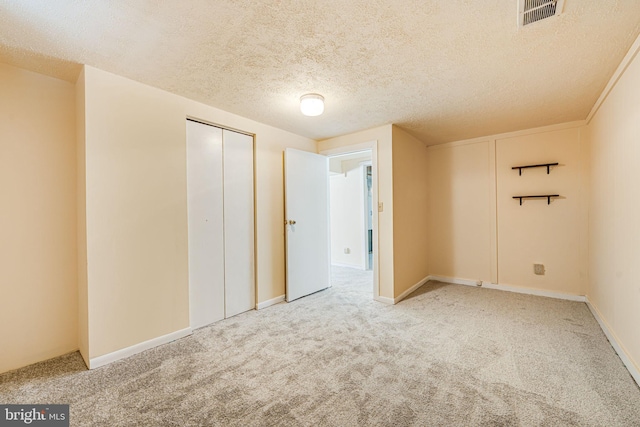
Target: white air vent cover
x,y
530,11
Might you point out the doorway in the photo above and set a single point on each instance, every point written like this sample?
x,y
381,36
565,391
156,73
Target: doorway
x,y
353,219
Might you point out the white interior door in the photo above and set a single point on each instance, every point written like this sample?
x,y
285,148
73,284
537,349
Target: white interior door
x,y
205,222
307,228
238,223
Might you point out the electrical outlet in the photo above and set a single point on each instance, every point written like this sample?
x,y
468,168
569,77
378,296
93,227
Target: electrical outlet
x,y
347,251
380,207
538,269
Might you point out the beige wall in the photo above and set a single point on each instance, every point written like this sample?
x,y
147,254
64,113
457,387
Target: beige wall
x,y
554,235
135,212
37,219
410,207
136,208
383,137
479,232
461,210
347,218
614,213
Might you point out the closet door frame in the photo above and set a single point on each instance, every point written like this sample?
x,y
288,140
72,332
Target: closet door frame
x,y
254,201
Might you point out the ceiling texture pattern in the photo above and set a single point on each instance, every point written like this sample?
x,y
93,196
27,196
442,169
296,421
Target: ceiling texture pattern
x,y
442,70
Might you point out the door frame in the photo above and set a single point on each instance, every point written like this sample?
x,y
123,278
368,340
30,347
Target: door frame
x,y
197,119
354,148
363,170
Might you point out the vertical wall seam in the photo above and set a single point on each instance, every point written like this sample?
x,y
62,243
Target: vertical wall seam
x,y
495,267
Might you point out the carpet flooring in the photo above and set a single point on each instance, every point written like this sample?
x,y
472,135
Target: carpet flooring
x,y
447,355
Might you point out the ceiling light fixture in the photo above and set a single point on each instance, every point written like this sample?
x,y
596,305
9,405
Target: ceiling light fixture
x,y
312,104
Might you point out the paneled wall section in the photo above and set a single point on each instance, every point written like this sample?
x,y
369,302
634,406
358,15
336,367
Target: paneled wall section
x,y
479,232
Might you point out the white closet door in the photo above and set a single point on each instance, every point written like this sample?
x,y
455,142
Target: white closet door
x,y
205,221
238,223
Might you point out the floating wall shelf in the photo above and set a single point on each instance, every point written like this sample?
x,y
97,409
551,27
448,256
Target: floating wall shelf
x,y
542,165
544,196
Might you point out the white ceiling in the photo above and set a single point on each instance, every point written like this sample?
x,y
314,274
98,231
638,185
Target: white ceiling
x,y
442,70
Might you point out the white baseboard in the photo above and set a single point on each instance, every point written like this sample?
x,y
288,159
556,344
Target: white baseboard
x,y
269,303
509,288
454,280
536,292
97,362
626,360
384,300
410,290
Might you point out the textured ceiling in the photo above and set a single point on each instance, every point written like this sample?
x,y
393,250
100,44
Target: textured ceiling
x,y
442,70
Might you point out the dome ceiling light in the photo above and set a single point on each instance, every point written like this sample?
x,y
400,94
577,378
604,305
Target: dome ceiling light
x,y
312,104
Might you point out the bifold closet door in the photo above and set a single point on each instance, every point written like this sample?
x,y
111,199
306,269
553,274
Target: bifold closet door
x,y
206,224
238,223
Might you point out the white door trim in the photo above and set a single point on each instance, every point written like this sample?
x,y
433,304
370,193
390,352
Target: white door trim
x,y
363,172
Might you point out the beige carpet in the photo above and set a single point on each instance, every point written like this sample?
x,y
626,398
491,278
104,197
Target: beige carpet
x,y
447,355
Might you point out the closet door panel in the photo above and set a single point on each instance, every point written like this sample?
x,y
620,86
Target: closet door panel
x,y
205,222
238,223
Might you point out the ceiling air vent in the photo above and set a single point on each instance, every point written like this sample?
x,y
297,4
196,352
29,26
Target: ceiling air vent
x,y
530,11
